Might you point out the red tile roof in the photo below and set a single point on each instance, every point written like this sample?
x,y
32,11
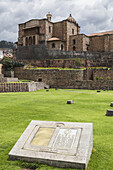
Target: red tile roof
x,y
101,33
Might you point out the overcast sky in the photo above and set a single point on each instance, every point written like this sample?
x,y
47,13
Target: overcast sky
x,y
92,15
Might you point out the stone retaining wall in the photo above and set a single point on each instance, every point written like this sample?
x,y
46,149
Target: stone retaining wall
x,y
21,87
33,54
66,79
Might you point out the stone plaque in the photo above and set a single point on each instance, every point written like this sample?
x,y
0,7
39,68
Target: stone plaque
x,y
61,144
65,139
42,137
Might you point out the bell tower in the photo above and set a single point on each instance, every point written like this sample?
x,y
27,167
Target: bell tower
x,y
49,16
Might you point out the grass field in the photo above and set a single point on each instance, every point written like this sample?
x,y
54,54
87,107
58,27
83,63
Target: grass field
x,y
18,109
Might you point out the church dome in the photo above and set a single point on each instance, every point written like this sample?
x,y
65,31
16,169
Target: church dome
x,y
71,19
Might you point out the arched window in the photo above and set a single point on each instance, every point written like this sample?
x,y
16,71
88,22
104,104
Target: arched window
x,y
72,31
53,45
62,47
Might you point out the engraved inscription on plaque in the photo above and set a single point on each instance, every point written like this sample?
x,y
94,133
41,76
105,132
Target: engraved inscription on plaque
x,y
65,139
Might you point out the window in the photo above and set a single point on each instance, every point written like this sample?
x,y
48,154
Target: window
x,y
53,45
72,31
74,48
74,41
49,29
62,47
38,30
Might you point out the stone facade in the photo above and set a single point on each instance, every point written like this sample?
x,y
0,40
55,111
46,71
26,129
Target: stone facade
x,y
92,43
40,31
79,43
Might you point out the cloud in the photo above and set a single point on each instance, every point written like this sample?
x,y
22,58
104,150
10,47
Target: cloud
x,y
91,15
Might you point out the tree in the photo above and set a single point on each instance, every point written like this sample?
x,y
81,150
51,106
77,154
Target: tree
x,y
6,44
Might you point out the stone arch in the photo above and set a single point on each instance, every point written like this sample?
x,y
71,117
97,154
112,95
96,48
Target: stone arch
x,y
33,40
27,41
30,40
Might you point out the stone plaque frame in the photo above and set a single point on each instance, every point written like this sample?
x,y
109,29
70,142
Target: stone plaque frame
x,y
69,144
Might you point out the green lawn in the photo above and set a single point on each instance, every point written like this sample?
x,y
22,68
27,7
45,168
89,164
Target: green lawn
x,y
18,109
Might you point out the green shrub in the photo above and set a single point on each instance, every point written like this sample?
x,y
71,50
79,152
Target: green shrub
x,y
78,62
108,78
101,78
96,78
9,64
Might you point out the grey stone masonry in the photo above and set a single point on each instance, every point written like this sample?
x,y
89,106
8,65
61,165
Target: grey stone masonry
x,y
22,87
70,102
109,112
111,104
60,144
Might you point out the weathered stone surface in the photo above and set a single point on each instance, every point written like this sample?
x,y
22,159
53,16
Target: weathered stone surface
x,y
111,104
70,102
0,68
98,91
61,144
109,112
22,87
73,79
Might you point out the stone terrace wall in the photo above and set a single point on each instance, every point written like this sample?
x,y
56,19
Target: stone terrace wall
x,y
92,85
57,63
103,73
34,53
21,87
52,77
78,79
14,87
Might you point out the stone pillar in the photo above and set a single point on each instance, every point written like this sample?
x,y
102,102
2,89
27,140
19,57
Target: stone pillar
x,y
36,39
0,68
24,41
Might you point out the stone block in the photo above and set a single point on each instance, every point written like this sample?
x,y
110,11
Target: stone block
x,y
61,144
111,104
109,112
70,102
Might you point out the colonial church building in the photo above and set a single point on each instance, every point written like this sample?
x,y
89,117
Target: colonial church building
x,y
43,31
63,35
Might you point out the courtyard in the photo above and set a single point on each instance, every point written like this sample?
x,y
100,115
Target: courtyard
x,y
18,109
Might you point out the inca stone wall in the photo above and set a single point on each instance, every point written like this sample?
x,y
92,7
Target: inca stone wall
x,y
78,79
34,53
22,87
51,77
103,74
